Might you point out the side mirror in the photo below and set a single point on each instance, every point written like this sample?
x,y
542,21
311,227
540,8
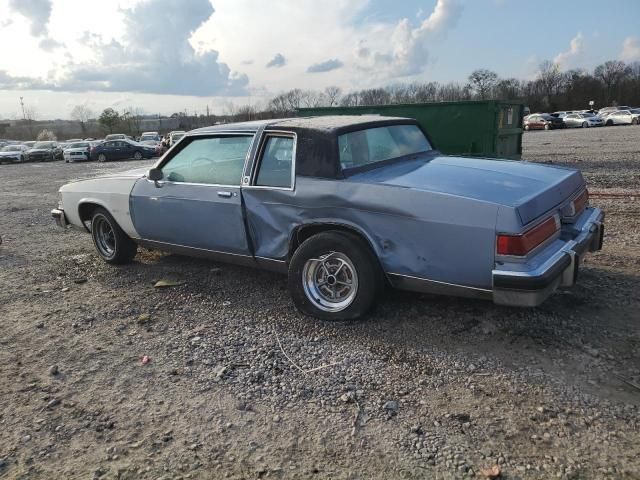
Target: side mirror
x,y
155,175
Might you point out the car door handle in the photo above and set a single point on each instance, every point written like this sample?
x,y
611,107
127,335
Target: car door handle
x,y
225,194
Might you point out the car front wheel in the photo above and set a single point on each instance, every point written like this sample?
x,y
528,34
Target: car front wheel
x,y
102,157
113,245
334,276
137,156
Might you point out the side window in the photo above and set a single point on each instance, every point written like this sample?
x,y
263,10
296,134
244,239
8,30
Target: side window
x,y
276,164
209,161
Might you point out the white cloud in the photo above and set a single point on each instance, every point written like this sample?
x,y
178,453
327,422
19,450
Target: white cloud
x,y
326,66
571,57
409,53
630,50
154,56
37,11
278,61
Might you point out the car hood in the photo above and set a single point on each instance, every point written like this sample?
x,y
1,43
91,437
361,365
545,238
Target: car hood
x,y
530,188
41,150
80,149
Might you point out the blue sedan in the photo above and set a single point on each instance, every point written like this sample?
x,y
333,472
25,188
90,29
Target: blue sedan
x,y
121,150
346,206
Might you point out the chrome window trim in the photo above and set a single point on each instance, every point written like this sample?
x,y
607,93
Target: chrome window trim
x,y
238,133
258,161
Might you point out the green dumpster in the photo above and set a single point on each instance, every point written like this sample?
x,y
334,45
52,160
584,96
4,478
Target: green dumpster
x,y
482,128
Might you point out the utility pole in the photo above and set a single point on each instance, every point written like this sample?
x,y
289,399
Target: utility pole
x,y
24,115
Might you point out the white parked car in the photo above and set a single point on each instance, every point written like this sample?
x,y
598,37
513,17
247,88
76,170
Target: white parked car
x,y
77,152
174,137
623,117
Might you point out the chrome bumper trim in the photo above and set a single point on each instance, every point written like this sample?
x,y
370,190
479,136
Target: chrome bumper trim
x,y
531,288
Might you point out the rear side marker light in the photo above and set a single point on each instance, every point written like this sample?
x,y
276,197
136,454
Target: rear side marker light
x,y
521,245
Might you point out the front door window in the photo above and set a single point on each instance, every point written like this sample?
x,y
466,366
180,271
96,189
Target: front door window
x,y
209,161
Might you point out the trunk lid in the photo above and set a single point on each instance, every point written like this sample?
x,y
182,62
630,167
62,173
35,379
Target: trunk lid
x,y
530,188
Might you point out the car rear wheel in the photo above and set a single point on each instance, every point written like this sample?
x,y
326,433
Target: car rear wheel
x,y
112,244
585,125
137,156
609,123
547,126
526,127
634,121
102,157
334,276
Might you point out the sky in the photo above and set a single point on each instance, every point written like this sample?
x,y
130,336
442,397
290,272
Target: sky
x,y
163,56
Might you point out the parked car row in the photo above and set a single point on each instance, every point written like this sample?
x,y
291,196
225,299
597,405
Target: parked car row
x,y
608,116
112,147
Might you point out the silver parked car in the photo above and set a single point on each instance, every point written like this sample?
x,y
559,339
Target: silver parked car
x,y
623,117
13,154
344,206
583,120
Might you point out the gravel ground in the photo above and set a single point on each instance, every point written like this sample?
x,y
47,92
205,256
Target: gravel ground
x,y
236,384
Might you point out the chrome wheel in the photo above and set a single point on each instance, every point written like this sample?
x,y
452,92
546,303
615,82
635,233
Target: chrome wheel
x,y
330,282
137,156
105,237
102,157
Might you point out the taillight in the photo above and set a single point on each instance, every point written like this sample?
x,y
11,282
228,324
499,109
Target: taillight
x,y
521,245
580,203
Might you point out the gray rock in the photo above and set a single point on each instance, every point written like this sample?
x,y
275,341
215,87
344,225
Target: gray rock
x,y
391,407
53,370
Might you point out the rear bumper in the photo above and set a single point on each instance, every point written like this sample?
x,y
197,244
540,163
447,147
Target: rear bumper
x,y
530,288
60,217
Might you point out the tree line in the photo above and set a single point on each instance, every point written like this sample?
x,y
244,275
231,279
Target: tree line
x,y
612,83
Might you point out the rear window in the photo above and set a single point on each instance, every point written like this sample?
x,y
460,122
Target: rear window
x,y
366,147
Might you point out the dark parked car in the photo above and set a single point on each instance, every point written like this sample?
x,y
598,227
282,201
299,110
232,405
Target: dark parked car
x,y
44,152
542,121
121,150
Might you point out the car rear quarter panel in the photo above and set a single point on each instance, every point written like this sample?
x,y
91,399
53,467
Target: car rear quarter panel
x,y
416,233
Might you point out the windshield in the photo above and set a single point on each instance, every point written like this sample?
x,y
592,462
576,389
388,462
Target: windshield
x,y
44,145
78,145
11,148
587,115
365,147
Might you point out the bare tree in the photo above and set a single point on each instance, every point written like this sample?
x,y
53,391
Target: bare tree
x,y
482,82
612,73
351,100
332,95
311,98
81,114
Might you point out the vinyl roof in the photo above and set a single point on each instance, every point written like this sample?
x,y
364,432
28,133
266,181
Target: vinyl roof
x,y
326,123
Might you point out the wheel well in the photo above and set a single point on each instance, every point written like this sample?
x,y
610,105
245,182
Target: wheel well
x,y
305,232
85,211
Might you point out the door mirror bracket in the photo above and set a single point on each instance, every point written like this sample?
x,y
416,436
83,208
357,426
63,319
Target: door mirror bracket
x,y
155,175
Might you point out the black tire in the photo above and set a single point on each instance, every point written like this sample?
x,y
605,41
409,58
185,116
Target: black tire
x,y
137,156
609,123
585,125
119,249
369,279
102,157
634,121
